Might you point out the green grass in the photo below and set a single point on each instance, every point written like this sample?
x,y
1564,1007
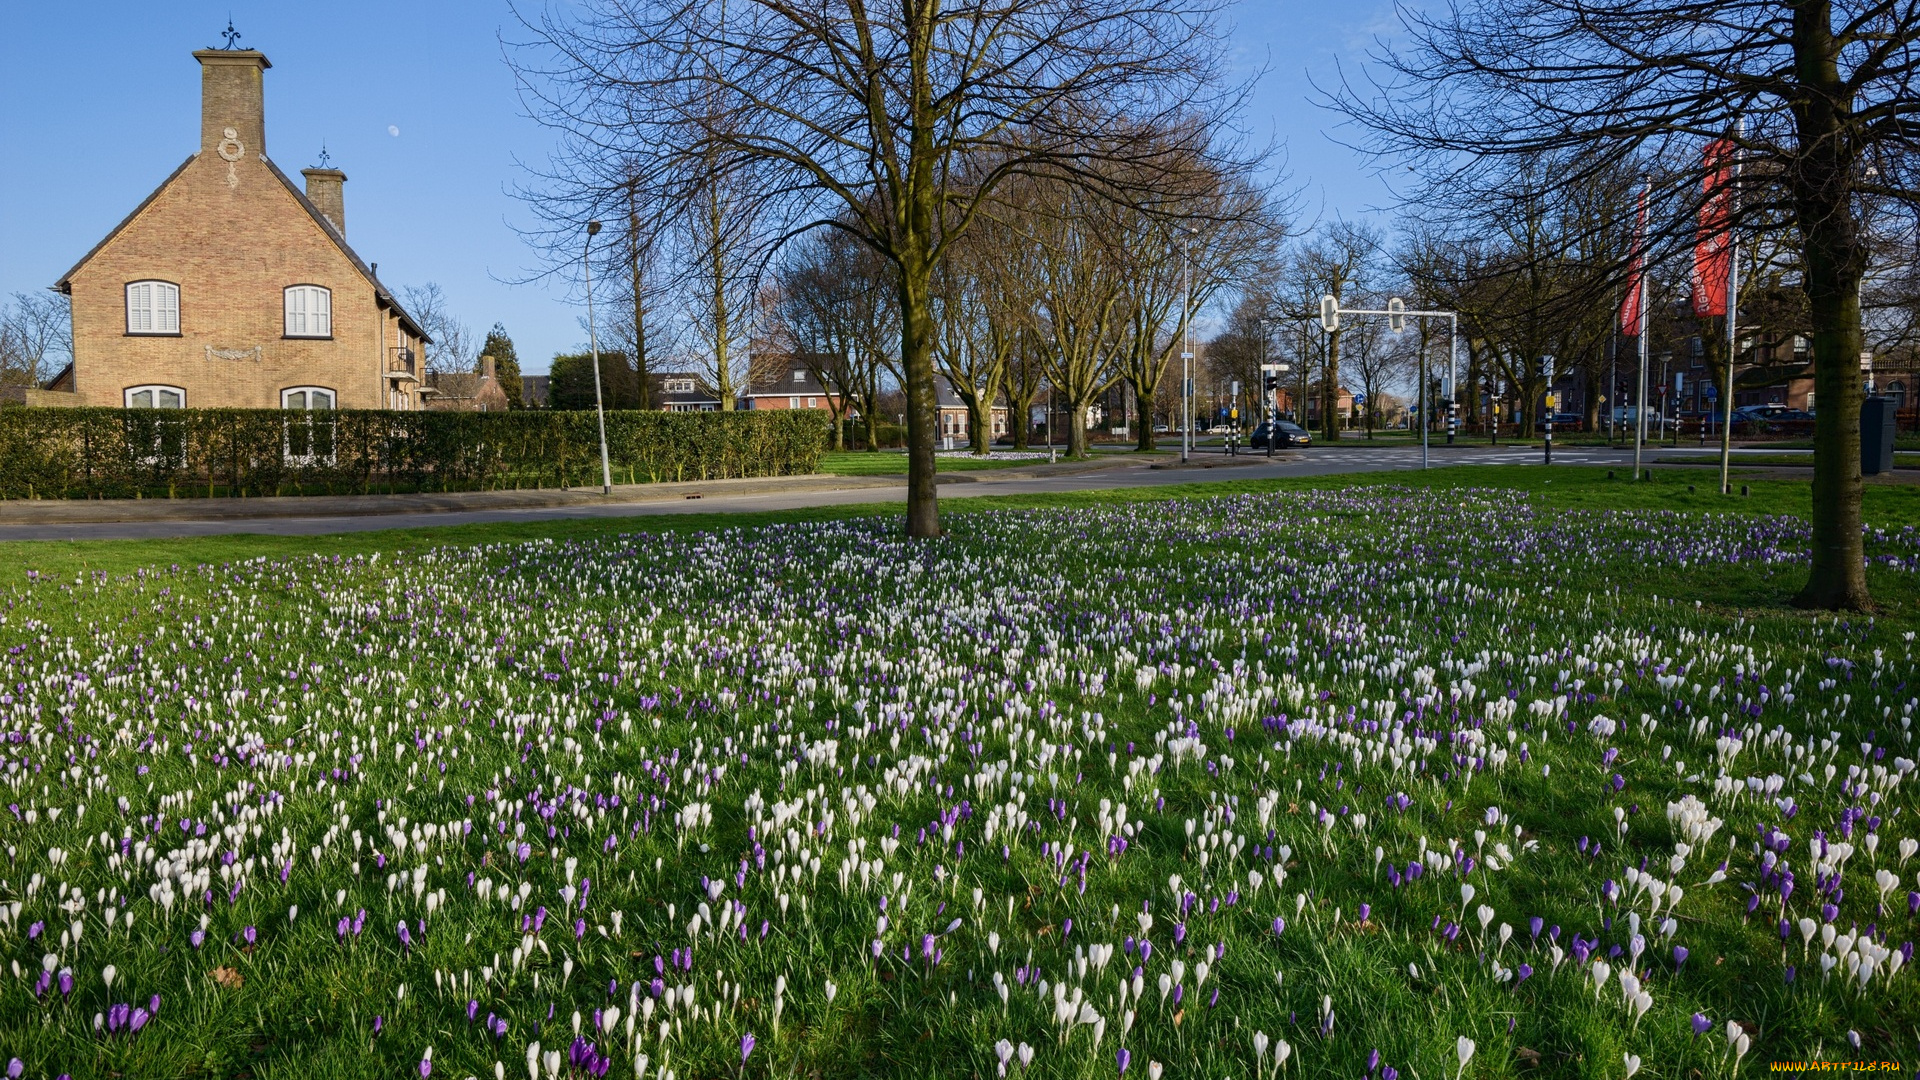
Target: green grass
x,y
1562,487
1066,647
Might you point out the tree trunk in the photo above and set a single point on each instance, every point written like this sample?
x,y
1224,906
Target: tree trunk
x,y
637,281
979,422
916,364
1834,260
1077,430
1143,408
1017,417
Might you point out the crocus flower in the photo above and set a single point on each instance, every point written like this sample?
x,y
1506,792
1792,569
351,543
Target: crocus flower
x,y
746,1046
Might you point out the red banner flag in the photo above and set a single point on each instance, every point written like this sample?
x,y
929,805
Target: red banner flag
x,y
1713,249
1630,313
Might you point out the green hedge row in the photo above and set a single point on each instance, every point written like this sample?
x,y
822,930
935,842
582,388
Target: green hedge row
x,y
179,453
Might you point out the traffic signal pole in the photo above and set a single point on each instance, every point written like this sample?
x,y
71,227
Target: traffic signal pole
x,y
1396,312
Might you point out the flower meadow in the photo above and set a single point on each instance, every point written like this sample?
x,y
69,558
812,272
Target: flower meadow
x,y
1380,782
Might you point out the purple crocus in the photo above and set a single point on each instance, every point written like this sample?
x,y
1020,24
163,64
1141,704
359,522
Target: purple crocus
x,y
1122,1058
1701,1025
746,1046
1679,955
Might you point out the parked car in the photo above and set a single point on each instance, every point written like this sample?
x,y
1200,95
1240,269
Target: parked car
x,y
1283,433
1562,421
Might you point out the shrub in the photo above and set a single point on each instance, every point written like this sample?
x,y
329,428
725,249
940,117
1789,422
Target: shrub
x,y
176,453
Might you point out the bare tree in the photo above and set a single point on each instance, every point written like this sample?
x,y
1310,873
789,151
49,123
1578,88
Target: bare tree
x,y
453,349
1817,100
976,337
36,338
896,123
1339,259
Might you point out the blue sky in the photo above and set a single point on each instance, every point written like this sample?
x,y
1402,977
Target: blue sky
x,y
99,102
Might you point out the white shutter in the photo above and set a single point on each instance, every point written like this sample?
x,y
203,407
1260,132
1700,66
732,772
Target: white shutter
x,y
322,313
167,317
139,314
296,312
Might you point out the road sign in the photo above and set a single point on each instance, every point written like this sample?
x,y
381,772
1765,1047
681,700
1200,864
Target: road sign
x,y
1330,313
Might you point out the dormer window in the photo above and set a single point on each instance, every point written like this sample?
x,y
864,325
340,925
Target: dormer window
x,y
800,376
309,312
153,307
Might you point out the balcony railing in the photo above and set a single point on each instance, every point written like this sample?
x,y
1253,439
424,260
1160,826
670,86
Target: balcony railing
x,y
401,363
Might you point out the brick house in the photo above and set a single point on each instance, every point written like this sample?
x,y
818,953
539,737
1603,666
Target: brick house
x,y
682,391
231,287
790,386
465,391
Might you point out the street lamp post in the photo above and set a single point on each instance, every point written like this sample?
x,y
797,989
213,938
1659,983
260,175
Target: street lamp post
x,y
593,340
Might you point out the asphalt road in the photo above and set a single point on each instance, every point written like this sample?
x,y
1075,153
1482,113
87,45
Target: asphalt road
x,y
1319,461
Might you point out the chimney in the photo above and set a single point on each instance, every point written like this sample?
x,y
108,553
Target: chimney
x,y
324,192
231,99
486,369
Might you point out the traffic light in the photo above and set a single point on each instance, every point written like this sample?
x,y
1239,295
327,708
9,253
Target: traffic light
x,y
1397,315
1273,383
1330,313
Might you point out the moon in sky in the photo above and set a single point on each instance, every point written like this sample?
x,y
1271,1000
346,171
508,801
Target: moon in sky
x,y
394,130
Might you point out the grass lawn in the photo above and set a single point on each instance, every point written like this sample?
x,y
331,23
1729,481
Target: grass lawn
x,y
1169,776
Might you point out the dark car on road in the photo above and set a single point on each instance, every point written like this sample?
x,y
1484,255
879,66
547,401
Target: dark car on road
x,y
1562,421
1283,433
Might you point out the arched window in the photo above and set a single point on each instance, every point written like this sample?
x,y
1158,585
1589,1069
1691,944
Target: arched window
x,y
307,397
310,428
309,311
155,397
153,307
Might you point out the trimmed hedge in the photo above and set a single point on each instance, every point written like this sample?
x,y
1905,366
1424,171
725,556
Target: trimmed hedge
x,y
87,453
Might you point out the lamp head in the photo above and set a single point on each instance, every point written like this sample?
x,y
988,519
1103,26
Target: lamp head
x,y
593,228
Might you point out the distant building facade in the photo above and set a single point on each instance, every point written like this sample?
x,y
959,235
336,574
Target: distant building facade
x,y
231,287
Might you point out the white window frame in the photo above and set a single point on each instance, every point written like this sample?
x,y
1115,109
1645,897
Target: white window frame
x,y
153,308
332,396
157,453
793,403
312,456
307,311
800,375
156,389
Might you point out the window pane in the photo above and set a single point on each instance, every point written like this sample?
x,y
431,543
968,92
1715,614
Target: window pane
x,y
168,319
322,313
140,399
322,399
295,399
139,315
168,399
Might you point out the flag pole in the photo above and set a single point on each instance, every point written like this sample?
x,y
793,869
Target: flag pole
x,y
1733,336
1640,393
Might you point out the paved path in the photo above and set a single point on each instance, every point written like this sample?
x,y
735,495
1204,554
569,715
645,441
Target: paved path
x,y
1319,461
